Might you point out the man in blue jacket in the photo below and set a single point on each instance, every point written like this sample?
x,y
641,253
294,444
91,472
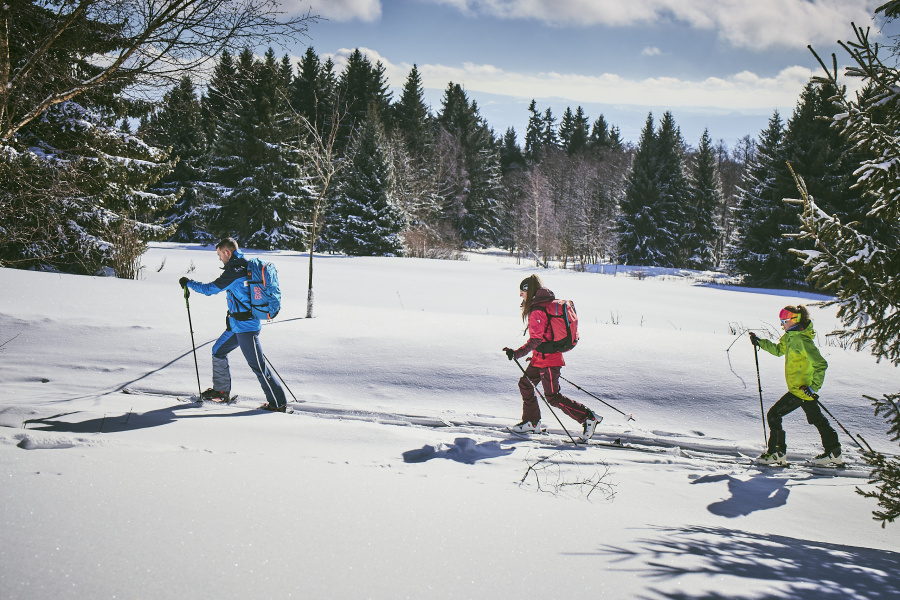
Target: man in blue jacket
x,y
241,329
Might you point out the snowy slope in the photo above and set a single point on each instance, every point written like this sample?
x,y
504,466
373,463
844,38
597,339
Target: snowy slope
x,y
393,477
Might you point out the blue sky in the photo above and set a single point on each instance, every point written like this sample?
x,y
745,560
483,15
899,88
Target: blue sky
x,y
725,65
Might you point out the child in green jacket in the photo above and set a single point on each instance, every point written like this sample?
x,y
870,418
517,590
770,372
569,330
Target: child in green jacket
x,y
804,371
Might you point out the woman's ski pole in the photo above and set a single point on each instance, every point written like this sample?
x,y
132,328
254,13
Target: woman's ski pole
x,y
762,411
545,402
867,449
193,345
575,385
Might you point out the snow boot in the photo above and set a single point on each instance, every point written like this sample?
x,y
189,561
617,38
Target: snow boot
x,y
772,458
271,408
828,459
590,426
215,395
529,427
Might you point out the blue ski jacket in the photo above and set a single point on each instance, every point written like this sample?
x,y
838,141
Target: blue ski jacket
x,y
234,281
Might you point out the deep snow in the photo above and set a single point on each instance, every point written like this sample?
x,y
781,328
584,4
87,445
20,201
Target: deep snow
x,y
393,477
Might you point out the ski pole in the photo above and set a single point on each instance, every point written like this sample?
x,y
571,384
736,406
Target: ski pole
x,y
545,402
280,377
850,435
193,344
630,417
762,410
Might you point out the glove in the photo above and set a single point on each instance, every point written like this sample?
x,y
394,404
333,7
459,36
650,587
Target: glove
x,y
510,353
809,392
183,281
753,339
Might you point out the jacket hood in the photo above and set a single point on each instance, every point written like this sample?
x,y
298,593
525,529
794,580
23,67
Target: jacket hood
x,y
542,296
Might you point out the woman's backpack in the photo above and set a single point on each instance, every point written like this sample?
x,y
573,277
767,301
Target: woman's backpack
x,y
563,325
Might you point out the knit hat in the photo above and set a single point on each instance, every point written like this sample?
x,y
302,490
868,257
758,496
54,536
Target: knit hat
x,y
524,285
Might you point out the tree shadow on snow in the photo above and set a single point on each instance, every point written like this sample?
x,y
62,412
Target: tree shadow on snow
x,y
757,493
115,423
786,567
464,450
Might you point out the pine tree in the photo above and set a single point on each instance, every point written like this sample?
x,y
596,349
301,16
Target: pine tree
x,y
362,87
549,137
364,220
533,139
599,138
756,217
255,161
640,221
858,259
578,139
675,210
766,224
511,156
178,124
472,169
411,117
706,195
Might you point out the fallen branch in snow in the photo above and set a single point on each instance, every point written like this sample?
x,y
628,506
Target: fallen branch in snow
x,y
551,477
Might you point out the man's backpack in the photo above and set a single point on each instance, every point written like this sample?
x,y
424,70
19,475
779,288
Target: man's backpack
x,y
563,325
265,293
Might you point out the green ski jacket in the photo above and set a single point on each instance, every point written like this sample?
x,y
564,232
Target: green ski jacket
x,y
803,364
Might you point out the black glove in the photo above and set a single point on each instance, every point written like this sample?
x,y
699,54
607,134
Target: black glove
x,y
183,282
510,353
808,391
753,339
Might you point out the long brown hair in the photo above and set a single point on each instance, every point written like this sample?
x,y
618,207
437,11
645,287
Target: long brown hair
x,y
534,284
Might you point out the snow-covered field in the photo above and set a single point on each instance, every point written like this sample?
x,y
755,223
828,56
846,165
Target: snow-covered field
x,y
393,477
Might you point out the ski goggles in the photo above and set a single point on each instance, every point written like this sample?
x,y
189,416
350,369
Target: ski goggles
x,y
785,315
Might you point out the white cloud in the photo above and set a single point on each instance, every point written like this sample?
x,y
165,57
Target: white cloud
x,y
651,51
338,10
740,91
757,24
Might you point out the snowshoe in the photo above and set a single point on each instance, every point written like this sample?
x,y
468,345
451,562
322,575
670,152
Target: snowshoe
x,y
270,408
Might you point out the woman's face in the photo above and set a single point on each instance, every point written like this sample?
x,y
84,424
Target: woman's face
x,y
522,294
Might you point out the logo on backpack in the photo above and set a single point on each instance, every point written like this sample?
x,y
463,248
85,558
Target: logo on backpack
x,y
563,326
265,293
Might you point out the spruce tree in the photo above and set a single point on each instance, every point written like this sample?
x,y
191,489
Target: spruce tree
x,y
533,139
178,124
757,224
675,210
858,259
411,117
640,222
364,220
255,161
473,180
706,200
362,86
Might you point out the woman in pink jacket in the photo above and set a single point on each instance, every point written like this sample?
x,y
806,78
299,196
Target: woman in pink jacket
x,y
544,367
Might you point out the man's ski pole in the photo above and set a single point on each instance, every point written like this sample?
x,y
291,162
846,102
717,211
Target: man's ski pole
x,y
283,382
575,385
762,410
187,303
545,402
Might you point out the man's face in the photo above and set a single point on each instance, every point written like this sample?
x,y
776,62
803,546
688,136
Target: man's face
x,y
224,254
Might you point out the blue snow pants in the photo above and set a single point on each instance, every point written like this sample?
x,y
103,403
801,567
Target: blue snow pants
x,y
250,347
